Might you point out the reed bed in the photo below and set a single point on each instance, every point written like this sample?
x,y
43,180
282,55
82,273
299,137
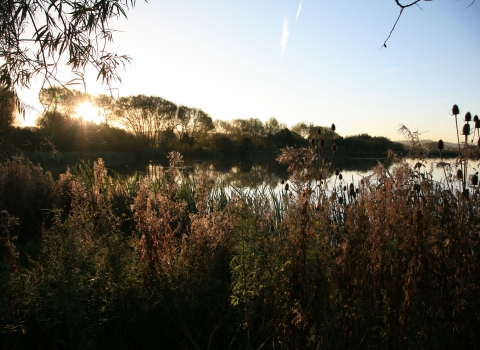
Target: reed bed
x,y
171,261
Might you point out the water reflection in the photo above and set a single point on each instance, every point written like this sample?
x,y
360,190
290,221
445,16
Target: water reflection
x,y
246,173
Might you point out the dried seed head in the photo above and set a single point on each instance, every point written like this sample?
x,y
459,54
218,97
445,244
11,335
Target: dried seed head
x,y
340,177
466,129
468,117
282,182
477,123
459,174
455,110
340,200
440,144
322,143
352,192
334,148
474,179
337,171
286,187
357,190
319,131
351,186
312,142
475,118
333,127
344,188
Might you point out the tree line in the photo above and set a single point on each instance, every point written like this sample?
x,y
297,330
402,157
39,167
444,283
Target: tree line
x,y
139,122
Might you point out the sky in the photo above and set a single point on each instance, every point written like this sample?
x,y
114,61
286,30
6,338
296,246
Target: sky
x,y
320,62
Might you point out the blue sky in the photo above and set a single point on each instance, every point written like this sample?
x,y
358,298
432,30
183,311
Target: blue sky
x,y
305,60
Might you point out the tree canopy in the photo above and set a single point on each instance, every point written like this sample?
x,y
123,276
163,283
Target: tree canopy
x,y
37,36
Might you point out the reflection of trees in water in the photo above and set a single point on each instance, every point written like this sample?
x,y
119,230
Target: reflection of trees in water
x,y
250,173
243,173
361,165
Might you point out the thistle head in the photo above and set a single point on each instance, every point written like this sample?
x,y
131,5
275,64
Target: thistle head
x,y
474,179
455,110
440,144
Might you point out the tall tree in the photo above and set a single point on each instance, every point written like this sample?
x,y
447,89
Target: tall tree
x,y
146,116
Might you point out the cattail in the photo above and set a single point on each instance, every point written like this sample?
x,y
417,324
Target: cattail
x,y
455,110
474,179
459,174
337,171
468,117
440,144
334,147
319,131
466,129
333,127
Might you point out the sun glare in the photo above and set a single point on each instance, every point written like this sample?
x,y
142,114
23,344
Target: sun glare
x,y
88,112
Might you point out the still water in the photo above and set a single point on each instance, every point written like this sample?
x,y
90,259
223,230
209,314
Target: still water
x,y
246,173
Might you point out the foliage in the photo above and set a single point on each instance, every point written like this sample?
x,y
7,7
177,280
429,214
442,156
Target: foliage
x,y
38,36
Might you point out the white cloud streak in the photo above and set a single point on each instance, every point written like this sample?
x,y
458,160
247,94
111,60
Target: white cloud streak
x,y
285,34
298,11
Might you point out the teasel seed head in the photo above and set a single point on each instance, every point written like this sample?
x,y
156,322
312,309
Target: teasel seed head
x,y
474,179
351,186
344,188
312,142
468,117
334,147
340,200
440,144
477,123
319,131
322,143
357,190
337,172
286,187
455,110
340,176
282,182
475,118
459,174
333,127
466,129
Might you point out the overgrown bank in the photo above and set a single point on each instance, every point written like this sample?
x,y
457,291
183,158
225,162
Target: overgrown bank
x,y
171,262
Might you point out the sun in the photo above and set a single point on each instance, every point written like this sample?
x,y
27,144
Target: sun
x,y
88,112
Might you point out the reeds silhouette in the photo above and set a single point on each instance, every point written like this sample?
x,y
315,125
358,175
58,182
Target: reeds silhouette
x,y
171,261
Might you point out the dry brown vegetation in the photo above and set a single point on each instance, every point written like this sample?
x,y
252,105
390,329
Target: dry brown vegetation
x,y
143,262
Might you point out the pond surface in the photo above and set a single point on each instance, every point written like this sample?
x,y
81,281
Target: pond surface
x,y
250,174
